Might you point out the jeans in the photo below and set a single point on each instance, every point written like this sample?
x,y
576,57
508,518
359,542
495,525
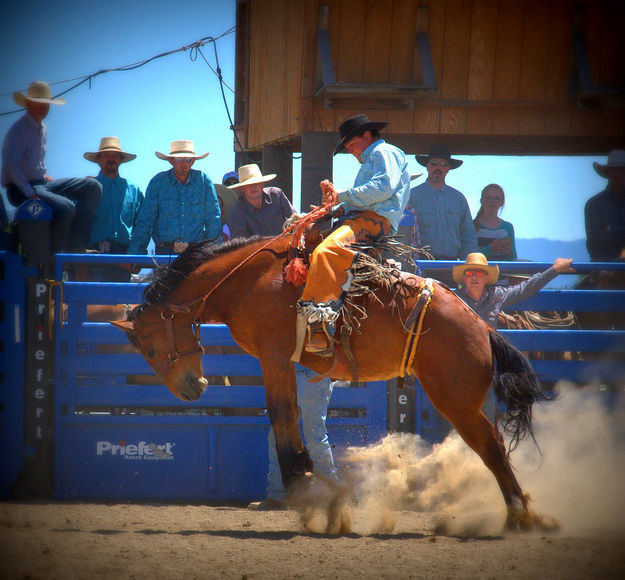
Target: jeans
x,y
312,399
73,202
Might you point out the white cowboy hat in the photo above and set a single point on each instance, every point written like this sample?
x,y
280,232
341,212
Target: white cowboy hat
x,y
180,149
616,158
109,144
228,199
38,91
476,261
249,174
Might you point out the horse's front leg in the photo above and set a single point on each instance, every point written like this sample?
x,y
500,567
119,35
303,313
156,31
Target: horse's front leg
x,y
281,394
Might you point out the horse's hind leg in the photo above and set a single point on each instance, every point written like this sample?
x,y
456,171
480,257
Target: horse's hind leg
x,y
488,443
462,407
480,435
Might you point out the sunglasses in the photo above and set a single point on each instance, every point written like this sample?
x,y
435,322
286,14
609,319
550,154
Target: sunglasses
x,y
478,273
183,160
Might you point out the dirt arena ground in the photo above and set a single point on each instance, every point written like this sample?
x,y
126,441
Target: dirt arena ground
x,y
403,494
91,541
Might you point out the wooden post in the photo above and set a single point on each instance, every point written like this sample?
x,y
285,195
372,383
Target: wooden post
x,y
317,151
278,160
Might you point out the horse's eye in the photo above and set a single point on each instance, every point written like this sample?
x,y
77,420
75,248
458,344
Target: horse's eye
x,y
151,353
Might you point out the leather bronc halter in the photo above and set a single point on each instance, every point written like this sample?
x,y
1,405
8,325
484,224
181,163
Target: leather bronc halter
x,y
162,367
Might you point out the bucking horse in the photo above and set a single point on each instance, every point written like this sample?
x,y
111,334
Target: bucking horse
x,y
409,326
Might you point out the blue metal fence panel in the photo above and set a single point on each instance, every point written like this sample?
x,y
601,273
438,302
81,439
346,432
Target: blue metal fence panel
x,y
12,297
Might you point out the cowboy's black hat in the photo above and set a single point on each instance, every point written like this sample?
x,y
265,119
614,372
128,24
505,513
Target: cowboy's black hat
x,y
350,127
439,152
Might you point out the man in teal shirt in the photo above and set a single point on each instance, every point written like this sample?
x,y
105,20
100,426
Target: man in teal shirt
x,y
180,208
118,210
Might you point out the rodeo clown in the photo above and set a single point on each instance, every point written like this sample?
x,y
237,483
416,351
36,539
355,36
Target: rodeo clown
x,y
374,206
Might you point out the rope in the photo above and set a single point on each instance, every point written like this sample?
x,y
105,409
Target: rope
x,y
296,269
313,215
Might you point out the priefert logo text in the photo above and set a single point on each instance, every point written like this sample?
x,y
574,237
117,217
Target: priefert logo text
x,y
141,450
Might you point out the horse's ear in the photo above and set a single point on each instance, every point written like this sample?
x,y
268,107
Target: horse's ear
x,y
125,325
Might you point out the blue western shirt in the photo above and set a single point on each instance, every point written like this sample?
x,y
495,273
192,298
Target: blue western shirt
x,y
118,210
23,154
444,221
177,212
382,184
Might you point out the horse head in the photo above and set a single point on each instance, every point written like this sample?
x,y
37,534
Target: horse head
x,y
168,339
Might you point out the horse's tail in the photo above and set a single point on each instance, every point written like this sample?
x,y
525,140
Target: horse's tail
x,y
516,384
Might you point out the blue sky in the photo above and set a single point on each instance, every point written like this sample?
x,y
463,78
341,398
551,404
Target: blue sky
x,y
176,97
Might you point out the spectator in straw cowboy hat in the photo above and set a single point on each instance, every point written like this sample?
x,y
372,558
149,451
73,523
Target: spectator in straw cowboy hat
x,y
260,210
605,212
180,207
118,210
73,201
476,285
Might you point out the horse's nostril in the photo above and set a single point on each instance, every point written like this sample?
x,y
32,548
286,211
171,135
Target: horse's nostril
x,y
185,397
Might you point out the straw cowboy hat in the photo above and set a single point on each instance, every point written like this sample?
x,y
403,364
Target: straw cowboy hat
x,y
439,152
250,174
476,261
228,199
616,158
353,125
109,144
38,91
180,149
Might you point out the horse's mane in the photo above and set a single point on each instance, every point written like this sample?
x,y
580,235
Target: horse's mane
x,y
168,277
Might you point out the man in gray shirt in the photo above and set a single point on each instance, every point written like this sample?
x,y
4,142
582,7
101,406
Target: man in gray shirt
x,y
260,210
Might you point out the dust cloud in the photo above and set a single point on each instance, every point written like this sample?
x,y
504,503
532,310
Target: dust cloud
x,y
578,477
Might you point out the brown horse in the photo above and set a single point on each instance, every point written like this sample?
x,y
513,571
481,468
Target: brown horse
x,y
241,284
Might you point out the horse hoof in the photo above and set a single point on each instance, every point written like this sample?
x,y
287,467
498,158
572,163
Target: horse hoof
x,y
528,520
546,523
339,521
